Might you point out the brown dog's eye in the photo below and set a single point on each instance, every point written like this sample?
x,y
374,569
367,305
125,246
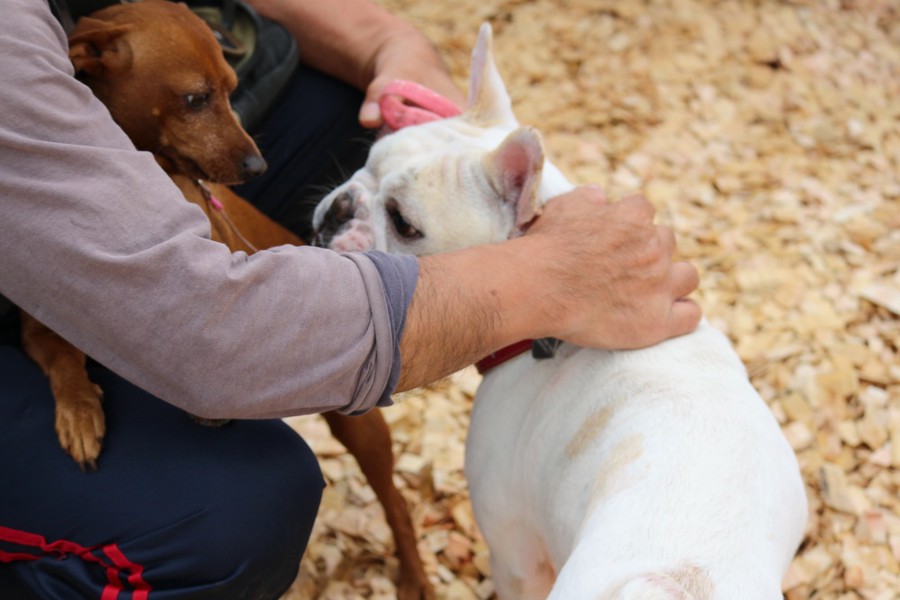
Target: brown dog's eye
x,y
196,101
404,229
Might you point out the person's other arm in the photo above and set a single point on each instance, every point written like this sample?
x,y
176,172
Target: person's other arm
x,y
362,44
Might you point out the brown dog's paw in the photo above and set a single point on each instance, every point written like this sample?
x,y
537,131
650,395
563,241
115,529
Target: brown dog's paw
x,y
414,587
81,424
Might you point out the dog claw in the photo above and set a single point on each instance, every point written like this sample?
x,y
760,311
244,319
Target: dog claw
x,y
87,466
81,425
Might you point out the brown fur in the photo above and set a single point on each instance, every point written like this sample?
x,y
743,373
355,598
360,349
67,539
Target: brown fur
x,y
117,52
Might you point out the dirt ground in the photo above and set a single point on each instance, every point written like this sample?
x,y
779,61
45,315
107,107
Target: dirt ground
x,y
767,134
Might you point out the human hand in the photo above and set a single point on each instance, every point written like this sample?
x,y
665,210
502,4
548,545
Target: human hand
x,y
406,55
613,269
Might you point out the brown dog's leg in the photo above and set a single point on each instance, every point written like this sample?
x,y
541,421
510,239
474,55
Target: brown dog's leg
x,y
368,438
80,423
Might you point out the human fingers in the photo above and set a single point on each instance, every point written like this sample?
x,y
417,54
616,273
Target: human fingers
x,y
684,279
582,200
594,192
638,207
667,243
370,113
684,317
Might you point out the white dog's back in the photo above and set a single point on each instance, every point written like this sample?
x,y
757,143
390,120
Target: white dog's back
x,y
668,465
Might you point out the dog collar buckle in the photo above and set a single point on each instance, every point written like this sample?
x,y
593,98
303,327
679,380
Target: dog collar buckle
x,y
545,348
540,349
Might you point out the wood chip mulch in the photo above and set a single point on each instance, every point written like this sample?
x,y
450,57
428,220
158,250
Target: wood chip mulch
x,y
767,134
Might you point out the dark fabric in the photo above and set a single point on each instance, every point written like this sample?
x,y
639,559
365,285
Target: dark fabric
x,y
398,290
80,8
264,74
312,141
207,512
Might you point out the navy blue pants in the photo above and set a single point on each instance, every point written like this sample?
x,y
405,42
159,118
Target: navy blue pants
x,y
176,509
312,142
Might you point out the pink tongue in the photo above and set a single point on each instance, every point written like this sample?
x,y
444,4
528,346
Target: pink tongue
x,y
404,103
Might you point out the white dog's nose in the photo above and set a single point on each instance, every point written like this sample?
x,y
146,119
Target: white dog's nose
x,y
339,213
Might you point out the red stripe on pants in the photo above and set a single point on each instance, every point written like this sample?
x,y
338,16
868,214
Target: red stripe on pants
x,y
60,548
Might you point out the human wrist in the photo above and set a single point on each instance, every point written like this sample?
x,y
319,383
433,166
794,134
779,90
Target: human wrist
x,y
468,304
536,306
517,287
387,38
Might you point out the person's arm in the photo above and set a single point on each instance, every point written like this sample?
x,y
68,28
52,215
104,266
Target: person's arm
x,y
591,273
100,245
515,290
362,44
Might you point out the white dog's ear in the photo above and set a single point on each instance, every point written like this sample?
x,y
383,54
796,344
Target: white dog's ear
x,y
514,169
488,102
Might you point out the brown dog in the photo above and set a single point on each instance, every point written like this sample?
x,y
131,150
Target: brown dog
x,y
162,74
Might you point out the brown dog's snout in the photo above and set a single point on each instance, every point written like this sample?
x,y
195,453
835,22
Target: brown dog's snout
x,y
254,165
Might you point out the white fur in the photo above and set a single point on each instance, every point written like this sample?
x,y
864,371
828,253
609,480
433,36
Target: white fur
x,y
654,473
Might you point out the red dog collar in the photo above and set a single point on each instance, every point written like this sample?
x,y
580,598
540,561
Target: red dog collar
x,y
502,355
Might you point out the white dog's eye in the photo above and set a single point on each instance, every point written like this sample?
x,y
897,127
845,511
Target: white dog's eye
x,y
404,229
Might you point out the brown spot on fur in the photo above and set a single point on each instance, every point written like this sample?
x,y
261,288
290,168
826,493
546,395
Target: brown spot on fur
x,y
589,430
610,475
695,581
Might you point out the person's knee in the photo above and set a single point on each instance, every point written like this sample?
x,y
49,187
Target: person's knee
x,y
264,530
251,535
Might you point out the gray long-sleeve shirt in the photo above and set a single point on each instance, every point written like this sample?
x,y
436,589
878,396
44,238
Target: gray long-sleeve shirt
x,y
97,243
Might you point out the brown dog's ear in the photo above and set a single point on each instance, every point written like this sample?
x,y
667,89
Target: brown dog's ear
x,y
96,47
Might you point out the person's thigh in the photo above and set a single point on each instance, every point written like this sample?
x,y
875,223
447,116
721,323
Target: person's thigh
x,y
175,507
312,141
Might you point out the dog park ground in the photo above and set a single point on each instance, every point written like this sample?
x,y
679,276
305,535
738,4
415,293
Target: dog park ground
x,y
767,134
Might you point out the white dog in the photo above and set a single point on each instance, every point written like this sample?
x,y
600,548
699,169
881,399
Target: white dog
x,y
655,473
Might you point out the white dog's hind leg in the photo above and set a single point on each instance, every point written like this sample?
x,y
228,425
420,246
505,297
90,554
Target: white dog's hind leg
x,y
522,571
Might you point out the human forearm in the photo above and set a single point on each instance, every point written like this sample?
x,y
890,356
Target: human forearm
x,y
362,44
339,37
466,305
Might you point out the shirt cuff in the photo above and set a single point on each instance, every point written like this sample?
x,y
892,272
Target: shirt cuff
x,y
399,274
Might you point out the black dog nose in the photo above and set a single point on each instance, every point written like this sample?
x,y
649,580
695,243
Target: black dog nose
x,y
339,213
254,166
